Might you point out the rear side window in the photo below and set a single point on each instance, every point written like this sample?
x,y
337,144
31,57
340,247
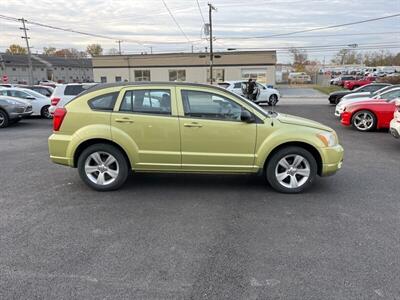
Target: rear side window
x,y
237,85
147,101
103,102
73,90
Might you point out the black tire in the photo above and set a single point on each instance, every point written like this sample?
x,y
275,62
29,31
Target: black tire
x,y
367,127
273,166
122,166
4,119
44,112
273,100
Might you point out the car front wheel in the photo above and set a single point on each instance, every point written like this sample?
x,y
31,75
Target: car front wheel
x,y
291,170
103,167
364,120
4,120
273,99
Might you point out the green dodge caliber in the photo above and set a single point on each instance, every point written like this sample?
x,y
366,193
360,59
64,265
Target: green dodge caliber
x,y
179,127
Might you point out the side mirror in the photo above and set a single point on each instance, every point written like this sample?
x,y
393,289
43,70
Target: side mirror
x,y
247,117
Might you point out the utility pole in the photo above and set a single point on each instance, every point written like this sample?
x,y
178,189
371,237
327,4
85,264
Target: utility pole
x,y
26,38
210,9
119,47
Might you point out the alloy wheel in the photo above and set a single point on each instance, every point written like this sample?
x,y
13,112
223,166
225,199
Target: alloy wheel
x,y
101,168
2,119
273,99
292,171
363,121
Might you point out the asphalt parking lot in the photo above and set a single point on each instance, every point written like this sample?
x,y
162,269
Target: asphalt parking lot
x,y
200,236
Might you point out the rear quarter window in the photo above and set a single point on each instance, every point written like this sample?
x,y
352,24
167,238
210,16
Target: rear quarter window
x,y
103,102
73,90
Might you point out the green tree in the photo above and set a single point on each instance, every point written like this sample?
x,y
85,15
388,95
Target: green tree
x,y
49,50
94,50
299,59
16,49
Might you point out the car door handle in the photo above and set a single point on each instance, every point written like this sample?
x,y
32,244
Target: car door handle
x,y
192,125
124,120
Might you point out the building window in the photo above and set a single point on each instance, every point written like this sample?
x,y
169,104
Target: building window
x,y
118,79
142,75
62,69
69,69
42,69
177,75
218,75
55,68
14,69
23,69
103,79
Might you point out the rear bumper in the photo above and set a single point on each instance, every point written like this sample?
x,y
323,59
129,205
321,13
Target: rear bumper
x,y
58,149
332,158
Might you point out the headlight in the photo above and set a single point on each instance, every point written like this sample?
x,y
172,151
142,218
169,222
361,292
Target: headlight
x,y
328,138
12,102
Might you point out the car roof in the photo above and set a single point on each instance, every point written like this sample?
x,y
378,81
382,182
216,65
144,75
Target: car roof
x,y
102,86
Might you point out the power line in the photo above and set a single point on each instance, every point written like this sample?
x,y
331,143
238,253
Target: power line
x,y
201,13
175,21
319,28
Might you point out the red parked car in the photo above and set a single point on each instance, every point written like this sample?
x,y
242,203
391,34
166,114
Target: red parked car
x,y
369,115
353,84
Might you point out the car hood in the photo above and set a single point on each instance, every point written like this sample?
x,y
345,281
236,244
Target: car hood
x,y
345,102
19,100
356,95
340,93
367,103
293,120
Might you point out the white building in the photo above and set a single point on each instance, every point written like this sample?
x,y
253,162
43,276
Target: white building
x,y
190,67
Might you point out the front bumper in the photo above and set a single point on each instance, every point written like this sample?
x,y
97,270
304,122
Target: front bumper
x,y
332,159
345,118
338,111
16,115
395,128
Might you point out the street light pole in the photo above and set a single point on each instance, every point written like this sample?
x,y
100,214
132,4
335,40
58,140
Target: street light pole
x,y
210,9
26,38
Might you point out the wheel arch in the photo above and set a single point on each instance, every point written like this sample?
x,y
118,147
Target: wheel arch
x,y
82,146
310,148
364,109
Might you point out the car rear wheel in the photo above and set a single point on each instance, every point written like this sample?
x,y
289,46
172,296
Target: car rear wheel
x,y
291,170
273,99
45,113
364,120
103,167
4,120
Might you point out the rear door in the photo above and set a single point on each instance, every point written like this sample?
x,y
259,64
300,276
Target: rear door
x,y
147,117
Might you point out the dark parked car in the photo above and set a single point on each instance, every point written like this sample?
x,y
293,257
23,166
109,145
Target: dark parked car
x,y
44,90
334,98
13,110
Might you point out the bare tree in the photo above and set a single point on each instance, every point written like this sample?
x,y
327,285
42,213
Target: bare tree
x,y
299,58
94,50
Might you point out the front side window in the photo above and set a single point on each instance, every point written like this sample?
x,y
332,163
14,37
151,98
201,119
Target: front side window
x,y
391,95
207,105
103,102
18,94
177,75
142,75
147,101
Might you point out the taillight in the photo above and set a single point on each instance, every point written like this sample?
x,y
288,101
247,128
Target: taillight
x,y
54,101
58,118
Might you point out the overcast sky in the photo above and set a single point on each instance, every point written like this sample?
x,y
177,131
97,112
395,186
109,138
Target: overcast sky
x,y
148,23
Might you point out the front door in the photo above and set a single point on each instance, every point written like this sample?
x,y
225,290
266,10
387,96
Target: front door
x,y
147,117
213,138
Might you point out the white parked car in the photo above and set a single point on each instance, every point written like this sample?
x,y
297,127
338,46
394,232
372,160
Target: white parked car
x,y
265,93
390,94
64,92
40,103
395,123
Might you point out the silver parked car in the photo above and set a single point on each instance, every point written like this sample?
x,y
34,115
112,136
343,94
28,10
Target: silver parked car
x,y
13,110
